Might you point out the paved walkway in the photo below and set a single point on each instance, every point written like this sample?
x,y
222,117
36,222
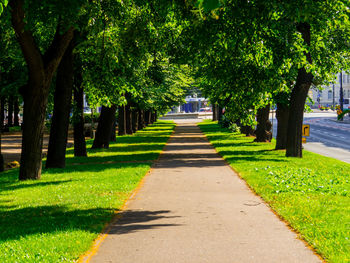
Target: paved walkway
x,y
194,208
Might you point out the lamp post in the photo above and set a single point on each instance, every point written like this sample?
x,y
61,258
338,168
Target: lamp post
x,y
341,94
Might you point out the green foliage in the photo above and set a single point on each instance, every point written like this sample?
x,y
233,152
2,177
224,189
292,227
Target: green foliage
x,y
87,117
3,4
249,52
311,194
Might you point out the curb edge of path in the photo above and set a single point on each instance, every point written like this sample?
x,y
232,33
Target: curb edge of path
x,y
86,257
285,222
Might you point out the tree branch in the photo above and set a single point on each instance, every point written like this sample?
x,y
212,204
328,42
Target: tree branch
x,y
31,52
56,50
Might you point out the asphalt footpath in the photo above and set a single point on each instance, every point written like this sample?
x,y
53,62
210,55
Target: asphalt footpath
x,y
192,207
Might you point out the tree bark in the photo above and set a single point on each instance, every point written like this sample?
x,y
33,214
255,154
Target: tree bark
x,y
16,112
297,100
141,120
56,154
135,120
10,112
41,69
104,128
147,117
113,132
263,128
2,164
2,112
282,115
78,119
128,119
121,121
219,108
215,112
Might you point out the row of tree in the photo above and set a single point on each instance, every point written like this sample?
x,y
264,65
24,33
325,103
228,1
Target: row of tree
x,y
135,57
115,52
253,54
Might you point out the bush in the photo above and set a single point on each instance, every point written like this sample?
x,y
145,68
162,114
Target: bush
x,y
234,128
224,122
15,128
87,117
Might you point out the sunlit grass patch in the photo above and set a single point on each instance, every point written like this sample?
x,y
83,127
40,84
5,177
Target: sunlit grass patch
x,y
311,193
56,218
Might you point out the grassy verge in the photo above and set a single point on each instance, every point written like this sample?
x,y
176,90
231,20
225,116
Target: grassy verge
x,y
311,193
55,219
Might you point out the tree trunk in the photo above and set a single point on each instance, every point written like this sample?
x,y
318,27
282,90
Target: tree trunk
x,y
141,120
34,110
219,108
215,112
16,112
1,128
154,116
41,69
282,115
10,112
78,119
263,128
135,120
56,154
297,100
121,121
2,112
113,132
128,119
104,128
147,117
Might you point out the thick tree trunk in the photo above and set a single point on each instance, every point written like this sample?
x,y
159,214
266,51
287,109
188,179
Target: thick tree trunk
x,y
41,68
219,108
297,101
135,120
282,115
16,112
78,120
215,112
10,112
56,154
128,119
2,112
104,128
113,132
2,164
121,121
147,117
141,120
263,128
154,116
34,110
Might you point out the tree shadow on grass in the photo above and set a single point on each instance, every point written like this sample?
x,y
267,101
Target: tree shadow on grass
x,y
150,156
31,184
19,223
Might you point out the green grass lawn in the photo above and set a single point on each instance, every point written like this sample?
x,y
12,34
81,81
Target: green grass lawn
x,y
311,193
56,218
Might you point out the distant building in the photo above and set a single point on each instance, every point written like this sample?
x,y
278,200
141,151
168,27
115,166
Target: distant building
x,y
324,97
193,104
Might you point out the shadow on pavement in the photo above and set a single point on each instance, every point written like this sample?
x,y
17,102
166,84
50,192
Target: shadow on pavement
x,y
132,221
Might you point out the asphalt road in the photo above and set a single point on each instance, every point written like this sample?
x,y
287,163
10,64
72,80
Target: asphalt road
x,y
327,136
